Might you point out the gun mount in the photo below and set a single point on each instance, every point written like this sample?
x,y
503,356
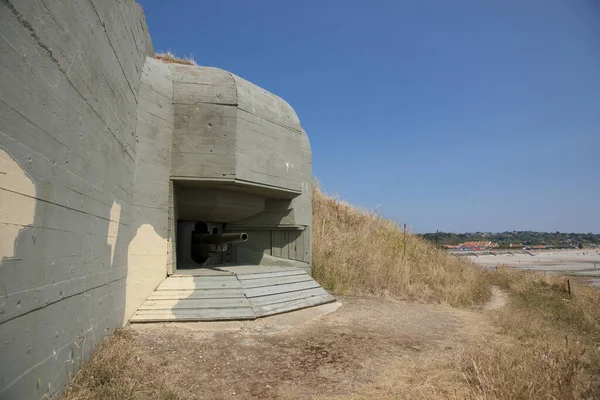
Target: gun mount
x,y
204,243
224,238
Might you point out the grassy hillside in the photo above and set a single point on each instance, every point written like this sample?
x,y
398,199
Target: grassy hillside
x,y
359,252
547,343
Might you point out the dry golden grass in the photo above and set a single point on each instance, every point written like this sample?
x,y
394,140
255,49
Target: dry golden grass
x,y
360,252
548,345
536,369
118,371
171,58
418,378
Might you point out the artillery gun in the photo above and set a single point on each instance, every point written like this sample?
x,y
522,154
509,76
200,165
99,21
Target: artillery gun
x,y
209,244
219,239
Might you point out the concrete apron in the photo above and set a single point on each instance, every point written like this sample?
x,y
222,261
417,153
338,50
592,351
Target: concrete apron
x,y
231,293
272,324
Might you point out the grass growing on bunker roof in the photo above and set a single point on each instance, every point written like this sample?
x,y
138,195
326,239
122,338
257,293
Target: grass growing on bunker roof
x,y
171,58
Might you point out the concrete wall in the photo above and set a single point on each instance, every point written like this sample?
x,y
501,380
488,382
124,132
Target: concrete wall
x,y
282,233
69,95
268,138
226,128
102,150
149,246
204,132
230,135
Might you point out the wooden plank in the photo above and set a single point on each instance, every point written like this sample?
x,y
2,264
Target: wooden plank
x,y
253,283
300,246
257,269
307,248
292,305
247,277
194,315
202,272
189,282
197,294
287,296
292,237
268,290
195,304
205,278
285,244
276,243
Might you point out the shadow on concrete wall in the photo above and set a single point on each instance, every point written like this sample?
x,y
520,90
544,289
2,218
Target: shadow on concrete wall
x,y
63,278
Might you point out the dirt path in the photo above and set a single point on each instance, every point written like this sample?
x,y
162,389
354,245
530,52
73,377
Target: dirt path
x,y
331,356
498,300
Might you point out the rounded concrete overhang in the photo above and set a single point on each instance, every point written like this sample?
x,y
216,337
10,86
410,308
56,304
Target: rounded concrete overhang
x,y
227,129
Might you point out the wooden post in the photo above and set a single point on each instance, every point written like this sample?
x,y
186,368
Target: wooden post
x,y
569,286
404,247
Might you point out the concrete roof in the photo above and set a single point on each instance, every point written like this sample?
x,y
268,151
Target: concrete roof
x,y
224,87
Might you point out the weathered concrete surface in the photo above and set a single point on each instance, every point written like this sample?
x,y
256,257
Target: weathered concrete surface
x,y
149,246
69,83
236,292
102,150
272,324
227,128
233,137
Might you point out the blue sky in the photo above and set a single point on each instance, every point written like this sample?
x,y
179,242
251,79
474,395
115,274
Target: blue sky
x,y
458,116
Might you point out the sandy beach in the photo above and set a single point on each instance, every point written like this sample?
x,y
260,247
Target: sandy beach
x,y
576,262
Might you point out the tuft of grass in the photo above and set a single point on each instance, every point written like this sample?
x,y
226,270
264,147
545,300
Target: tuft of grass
x,y
117,370
171,58
415,378
359,252
538,369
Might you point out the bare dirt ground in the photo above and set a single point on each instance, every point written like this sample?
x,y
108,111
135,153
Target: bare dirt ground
x,y
334,355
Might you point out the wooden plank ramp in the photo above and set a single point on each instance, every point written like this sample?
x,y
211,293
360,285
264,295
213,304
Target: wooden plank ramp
x,y
231,293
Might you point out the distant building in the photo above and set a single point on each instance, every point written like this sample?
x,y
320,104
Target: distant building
x,y
452,246
478,245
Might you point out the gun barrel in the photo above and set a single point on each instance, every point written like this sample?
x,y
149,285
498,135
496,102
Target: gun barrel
x,y
221,239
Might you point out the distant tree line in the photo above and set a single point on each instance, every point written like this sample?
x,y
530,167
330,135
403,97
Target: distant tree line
x,y
529,238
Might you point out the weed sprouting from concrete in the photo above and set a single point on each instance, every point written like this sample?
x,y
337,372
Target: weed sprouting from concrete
x,y
171,58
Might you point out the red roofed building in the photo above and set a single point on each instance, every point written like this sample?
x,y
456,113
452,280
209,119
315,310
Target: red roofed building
x,y
479,245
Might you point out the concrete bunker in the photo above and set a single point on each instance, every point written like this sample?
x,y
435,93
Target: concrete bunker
x,y
240,163
121,176
239,204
